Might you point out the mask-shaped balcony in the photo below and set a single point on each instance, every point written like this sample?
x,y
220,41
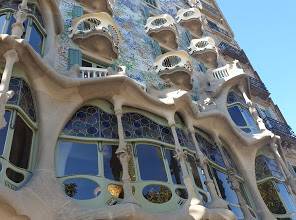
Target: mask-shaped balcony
x,y
175,67
163,29
191,19
195,3
205,50
97,35
97,5
228,75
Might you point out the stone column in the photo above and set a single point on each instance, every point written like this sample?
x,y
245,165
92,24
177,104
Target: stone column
x,y
290,180
217,202
124,157
11,57
235,184
20,16
252,109
193,197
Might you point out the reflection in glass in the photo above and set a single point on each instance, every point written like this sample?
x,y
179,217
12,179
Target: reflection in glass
x,y
3,131
116,191
194,171
21,144
237,116
175,167
151,163
14,176
112,165
157,193
182,193
271,197
2,22
11,22
81,188
225,188
286,197
36,39
74,158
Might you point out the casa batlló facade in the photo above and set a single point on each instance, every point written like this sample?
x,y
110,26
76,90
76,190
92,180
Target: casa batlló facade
x,y
136,109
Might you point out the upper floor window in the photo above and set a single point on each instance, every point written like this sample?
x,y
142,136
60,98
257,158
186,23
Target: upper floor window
x,y
34,33
17,138
152,3
240,114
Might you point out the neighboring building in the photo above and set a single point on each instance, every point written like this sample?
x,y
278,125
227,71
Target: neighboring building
x,y
136,109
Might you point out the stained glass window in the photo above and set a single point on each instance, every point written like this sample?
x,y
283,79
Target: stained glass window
x,y
185,138
139,126
175,167
36,39
91,121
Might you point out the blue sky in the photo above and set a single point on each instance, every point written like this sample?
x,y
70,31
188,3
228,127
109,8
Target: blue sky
x,y
266,30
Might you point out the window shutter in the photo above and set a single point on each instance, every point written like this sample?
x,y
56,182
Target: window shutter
x,y
75,57
77,12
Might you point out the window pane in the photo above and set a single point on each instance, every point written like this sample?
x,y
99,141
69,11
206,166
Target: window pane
x,y
236,116
194,171
3,131
175,168
271,198
21,144
11,22
151,163
86,63
36,39
237,211
226,191
286,197
75,158
250,120
2,22
112,165
81,189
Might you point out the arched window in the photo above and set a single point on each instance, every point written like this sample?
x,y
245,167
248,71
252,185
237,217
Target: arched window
x,y
17,138
86,159
273,189
219,174
34,33
240,114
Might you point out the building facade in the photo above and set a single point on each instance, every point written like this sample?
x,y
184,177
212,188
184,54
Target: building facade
x,y
136,109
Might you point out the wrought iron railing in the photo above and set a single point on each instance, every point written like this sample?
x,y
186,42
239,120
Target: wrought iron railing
x,y
210,8
215,27
258,84
233,52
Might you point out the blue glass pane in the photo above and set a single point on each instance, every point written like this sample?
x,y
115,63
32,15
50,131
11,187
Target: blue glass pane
x,y
2,22
112,165
3,131
226,191
151,163
75,158
139,126
11,22
36,39
194,171
249,118
286,197
210,150
237,211
90,121
175,167
81,189
237,116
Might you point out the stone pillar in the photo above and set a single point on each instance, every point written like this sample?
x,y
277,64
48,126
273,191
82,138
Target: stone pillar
x,y
124,157
290,180
216,202
11,57
253,109
20,16
193,197
235,184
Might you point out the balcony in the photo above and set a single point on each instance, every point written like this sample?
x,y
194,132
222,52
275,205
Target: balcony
x,y
223,33
228,75
281,129
97,5
195,3
191,19
258,88
205,50
163,29
209,9
233,52
175,67
97,35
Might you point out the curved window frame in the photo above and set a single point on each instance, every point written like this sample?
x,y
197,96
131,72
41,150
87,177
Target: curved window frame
x,y
30,23
240,104
5,158
275,180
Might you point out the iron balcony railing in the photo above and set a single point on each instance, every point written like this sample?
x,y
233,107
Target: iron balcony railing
x,y
210,8
215,27
258,88
280,128
233,52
